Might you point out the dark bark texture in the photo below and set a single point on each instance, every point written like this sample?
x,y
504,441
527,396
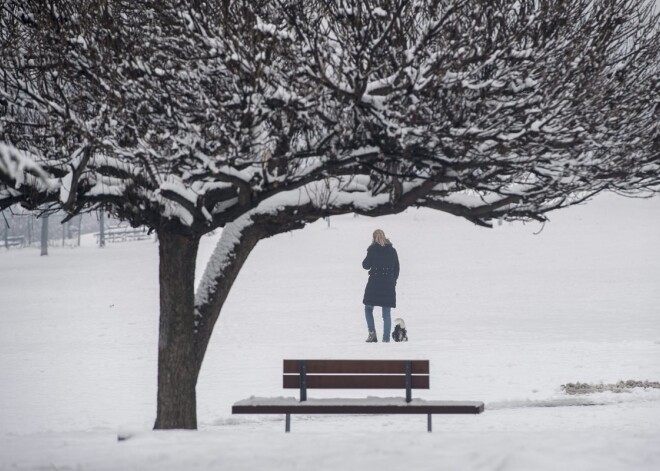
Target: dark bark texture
x,y
177,373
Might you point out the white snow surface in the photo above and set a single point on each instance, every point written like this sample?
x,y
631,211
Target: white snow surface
x,y
505,316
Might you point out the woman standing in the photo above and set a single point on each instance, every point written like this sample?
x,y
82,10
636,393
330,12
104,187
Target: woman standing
x,y
382,262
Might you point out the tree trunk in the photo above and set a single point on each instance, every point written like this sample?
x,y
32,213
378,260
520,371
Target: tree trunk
x,y
186,323
29,229
44,235
102,229
234,246
177,369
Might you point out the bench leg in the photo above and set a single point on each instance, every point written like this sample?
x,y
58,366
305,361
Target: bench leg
x,y
287,423
429,423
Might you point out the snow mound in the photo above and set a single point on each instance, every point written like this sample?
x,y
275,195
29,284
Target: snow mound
x,y
620,387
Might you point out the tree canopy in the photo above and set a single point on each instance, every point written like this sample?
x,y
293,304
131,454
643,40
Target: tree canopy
x,y
195,112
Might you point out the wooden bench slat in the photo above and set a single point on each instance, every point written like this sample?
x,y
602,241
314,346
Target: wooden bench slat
x,y
318,407
355,382
356,410
356,366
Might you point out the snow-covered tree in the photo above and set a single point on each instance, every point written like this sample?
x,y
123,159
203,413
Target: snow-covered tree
x,y
259,117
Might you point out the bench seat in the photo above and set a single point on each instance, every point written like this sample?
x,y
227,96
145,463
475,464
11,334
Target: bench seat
x,y
368,405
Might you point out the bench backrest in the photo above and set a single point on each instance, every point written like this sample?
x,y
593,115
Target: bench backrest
x,y
356,374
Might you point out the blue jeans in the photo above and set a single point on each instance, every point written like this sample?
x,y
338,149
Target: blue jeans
x,y
387,320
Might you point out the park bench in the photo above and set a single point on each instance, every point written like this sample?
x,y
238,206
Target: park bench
x,y
355,374
13,241
122,234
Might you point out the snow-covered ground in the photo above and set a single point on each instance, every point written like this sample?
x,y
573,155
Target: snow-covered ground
x,y
506,316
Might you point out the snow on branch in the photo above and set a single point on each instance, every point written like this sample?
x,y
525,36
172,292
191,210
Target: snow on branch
x,y
17,166
201,116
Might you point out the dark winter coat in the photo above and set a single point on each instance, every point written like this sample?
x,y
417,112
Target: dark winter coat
x,y
383,265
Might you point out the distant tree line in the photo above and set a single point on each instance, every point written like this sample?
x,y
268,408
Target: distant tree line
x,y
22,228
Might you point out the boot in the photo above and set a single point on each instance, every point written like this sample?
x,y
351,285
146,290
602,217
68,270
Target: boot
x,y
372,337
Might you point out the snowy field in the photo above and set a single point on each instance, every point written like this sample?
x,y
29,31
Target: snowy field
x,y
506,316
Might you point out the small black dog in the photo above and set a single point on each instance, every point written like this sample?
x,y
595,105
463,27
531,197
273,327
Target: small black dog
x,y
400,333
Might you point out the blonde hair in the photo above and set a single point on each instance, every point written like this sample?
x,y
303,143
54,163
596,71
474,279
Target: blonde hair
x,y
380,239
